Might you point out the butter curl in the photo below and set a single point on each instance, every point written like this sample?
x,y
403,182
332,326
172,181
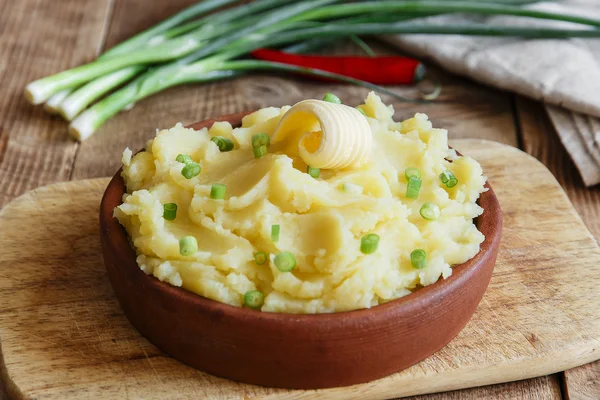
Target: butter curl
x,y
331,136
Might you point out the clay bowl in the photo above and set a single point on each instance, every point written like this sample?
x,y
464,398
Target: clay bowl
x,y
289,350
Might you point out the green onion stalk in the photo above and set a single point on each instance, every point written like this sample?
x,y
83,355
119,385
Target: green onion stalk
x,y
151,36
70,105
185,48
79,101
155,50
177,74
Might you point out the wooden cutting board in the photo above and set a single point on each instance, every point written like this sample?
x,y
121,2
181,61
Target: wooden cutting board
x,y
63,335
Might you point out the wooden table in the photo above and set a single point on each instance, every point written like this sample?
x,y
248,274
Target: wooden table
x,y
39,37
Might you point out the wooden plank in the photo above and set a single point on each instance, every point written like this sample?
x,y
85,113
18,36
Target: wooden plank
x,y
53,130
39,38
544,388
583,383
529,323
541,141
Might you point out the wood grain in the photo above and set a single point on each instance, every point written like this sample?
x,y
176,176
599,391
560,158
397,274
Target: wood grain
x,y
583,383
541,141
38,38
544,388
540,315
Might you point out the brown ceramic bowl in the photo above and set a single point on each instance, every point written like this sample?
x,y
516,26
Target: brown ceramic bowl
x,y
290,350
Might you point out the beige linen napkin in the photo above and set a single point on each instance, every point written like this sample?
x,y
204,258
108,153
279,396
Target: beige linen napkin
x,y
565,74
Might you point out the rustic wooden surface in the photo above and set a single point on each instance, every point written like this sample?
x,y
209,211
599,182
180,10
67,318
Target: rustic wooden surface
x,y
38,37
539,315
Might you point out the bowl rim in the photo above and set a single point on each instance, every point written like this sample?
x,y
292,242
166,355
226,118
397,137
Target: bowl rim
x,y
489,224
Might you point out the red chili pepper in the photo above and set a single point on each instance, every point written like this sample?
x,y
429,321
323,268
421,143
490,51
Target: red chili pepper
x,y
377,70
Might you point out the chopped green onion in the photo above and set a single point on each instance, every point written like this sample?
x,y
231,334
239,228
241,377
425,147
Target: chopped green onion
x,y
363,112
259,152
184,159
314,172
190,170
429,211
260,257
352,188
285,261
418,259
448,179
254,299
275,233
412,172
222,143
188,245
170,211
261,139
369,243
332,98
413,188
217,191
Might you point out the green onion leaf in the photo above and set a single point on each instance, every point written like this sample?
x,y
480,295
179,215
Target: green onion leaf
x,y
412,172
261,139
259,152
332,98
260,257
254,299
448,179
314,172
369,243
217,191
191,170
188,245
285,261
429,211
170,211
275,232
418,259
184,159
413,188
222,143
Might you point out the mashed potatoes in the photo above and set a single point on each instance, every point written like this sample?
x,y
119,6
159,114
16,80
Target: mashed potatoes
x,y
321,220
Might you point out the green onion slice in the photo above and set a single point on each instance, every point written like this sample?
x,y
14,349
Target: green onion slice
x,y
170,211
332,98
254,299
275,232
369,243
259,152
188,245
260,257
222,143
363,112
448,179
413,188
261,139
418,259
314,172
191,170
217,191
412,173
285,261
429,211
184,159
